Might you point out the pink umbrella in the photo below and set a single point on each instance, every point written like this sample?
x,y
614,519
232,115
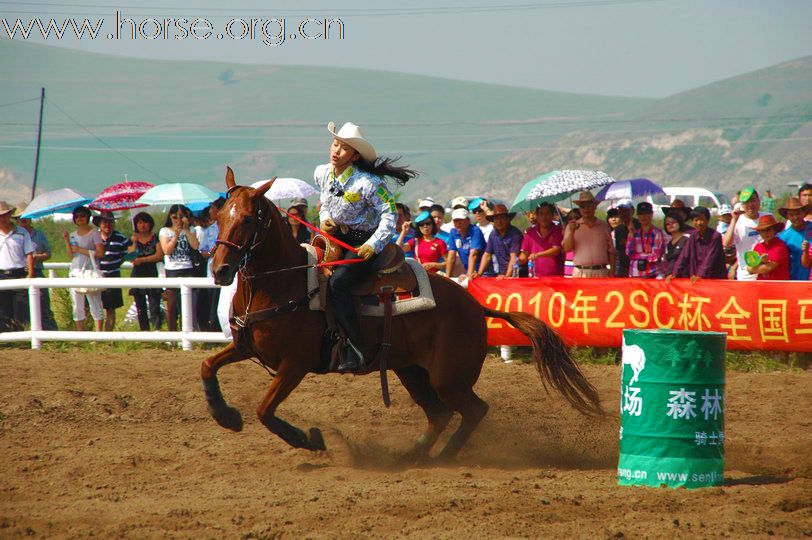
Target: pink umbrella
x,y
121,196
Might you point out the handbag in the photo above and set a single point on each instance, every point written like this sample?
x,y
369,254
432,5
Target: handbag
x,y
196,258
87,273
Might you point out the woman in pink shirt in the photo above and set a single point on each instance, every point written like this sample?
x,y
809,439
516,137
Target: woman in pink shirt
x,y
541,246
428,250
774,252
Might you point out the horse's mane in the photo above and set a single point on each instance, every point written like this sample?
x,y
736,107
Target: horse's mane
x,y
281,239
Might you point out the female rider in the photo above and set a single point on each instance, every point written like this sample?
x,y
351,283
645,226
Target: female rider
x,y
358,209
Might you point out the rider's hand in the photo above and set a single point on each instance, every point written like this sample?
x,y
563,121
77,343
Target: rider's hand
x,y
366,252
328,226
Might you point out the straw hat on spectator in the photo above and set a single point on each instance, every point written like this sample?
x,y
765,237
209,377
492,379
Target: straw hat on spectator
x,y
768,222
585,197
19,211
794,203
5,208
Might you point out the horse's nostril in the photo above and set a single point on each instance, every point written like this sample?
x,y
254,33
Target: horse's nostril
x,y
222,272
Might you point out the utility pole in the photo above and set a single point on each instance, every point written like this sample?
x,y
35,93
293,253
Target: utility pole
x,y
39,142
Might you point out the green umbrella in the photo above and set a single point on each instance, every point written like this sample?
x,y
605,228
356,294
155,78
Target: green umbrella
x,y
558,185
181,193
520,204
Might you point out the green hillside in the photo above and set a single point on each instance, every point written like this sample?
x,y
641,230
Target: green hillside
x,y
183,121
752,129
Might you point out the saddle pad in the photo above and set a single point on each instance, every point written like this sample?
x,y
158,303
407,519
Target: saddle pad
x,y
424,301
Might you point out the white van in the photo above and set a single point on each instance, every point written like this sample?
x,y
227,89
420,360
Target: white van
x,y
691,196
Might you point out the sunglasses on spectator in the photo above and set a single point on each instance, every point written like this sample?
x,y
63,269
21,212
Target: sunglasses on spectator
x,y
477,210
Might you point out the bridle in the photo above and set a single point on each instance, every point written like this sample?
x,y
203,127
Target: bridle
x,y
246,249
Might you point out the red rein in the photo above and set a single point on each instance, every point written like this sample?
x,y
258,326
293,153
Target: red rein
x,y
329,237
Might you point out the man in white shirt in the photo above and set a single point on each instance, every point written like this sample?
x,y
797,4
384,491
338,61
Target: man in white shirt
x,y
16,262
742,232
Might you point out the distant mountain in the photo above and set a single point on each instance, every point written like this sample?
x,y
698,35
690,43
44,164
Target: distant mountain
x,y
183,121
751,129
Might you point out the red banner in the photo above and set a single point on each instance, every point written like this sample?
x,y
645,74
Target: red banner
x,y
763,315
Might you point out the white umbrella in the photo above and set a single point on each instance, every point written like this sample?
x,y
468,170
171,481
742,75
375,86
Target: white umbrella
x,y
50,202
287,188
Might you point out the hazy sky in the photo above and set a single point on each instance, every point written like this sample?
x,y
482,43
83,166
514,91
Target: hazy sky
x,y
620,47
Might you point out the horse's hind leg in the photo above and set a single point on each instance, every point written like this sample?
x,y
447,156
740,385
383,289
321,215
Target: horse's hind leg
x,y
281,386
227,417
416,381
472,409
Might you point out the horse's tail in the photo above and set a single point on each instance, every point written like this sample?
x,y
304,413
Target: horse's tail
x,y
554,363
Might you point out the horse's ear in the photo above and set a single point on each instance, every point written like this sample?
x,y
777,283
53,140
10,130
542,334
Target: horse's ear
x,y
230,183
260,191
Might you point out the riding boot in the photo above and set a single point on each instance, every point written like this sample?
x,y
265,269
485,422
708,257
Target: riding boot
x,y
353,357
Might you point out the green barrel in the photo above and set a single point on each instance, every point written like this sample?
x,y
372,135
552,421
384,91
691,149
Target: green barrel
x,y
672,422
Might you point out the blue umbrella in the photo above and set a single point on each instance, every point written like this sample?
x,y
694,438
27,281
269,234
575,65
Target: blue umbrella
x,y
629,189
51,202
179,193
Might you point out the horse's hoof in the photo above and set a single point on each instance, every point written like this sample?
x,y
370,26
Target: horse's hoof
x,y
227,417
416,456
316,441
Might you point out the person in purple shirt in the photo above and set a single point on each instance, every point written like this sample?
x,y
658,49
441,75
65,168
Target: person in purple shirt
x,y
702,256
503,245
541,247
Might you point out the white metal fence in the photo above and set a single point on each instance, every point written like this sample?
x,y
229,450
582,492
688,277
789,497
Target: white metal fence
x,y
36,335
187,335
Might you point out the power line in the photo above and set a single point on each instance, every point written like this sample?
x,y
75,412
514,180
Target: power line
x,y
489,136
102,141
449,123
352,12
18,102
412,152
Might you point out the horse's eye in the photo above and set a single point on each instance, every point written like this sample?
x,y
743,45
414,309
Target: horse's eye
x,y
249,220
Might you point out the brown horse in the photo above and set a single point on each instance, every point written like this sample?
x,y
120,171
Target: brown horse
x,y
435,364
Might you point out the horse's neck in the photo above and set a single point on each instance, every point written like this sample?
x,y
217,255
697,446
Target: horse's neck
x,y
275,253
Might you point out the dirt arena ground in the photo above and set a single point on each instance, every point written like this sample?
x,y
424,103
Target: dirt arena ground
x,y
120,445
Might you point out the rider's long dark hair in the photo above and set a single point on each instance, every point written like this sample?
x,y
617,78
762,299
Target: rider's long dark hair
x,y
386,167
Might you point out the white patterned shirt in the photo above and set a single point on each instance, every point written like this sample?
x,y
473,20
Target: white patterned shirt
x,y
358,200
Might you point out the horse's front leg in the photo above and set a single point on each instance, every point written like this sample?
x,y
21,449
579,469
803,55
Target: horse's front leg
x,y
227,417
287,378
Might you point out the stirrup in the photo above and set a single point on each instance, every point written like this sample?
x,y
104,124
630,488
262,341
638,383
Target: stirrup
x,y
353,359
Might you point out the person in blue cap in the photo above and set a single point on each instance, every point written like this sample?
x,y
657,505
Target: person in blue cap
x,y
479,208
429,250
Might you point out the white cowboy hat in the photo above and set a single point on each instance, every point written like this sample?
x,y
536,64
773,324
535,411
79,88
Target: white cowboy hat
x,y
352,135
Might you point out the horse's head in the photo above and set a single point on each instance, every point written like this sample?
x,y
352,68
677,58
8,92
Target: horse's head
x,y
240,221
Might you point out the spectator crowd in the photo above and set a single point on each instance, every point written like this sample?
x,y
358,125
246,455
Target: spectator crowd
x,y
743,241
